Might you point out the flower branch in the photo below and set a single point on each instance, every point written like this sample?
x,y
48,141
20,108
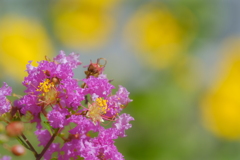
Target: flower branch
x,y
54,99
39,156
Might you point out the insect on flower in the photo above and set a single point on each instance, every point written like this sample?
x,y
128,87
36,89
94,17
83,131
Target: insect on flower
x,y
94,69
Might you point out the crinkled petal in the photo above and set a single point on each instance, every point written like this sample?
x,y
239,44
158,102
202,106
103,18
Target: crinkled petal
x,y
122,95
57,118
5,90
98,86
72,91
84,125
5,105
43,137
122,124
28,103
71,60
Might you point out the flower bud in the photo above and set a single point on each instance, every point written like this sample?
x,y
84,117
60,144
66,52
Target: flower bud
x,y
14,128
55,80
18,150
47,73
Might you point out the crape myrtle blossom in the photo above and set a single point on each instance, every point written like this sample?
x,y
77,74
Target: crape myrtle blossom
x,y
43,86
100,146
56,99
5,105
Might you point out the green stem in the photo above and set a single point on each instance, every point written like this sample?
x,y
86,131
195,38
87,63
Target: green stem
x,y
23,143
29,144
39,156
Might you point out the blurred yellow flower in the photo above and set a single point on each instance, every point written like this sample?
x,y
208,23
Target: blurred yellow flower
x,y
85,24
21,40
157,34
221,105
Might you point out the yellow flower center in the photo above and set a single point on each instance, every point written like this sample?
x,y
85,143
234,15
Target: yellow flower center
x,y
48,90
45,86
97,109
101,102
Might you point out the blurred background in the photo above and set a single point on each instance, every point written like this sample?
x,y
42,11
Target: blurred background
x,y
179,59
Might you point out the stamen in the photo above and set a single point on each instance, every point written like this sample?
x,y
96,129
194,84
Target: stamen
x,y
97,110
49,92
45,86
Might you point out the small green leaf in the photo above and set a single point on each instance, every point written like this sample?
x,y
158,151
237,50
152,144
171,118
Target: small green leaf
x,y
46,124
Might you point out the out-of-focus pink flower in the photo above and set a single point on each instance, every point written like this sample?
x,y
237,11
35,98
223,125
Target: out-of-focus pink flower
x,y
5,105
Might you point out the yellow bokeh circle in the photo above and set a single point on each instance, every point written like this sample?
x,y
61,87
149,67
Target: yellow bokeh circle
x,y
21,40
221,104
157,34
85,24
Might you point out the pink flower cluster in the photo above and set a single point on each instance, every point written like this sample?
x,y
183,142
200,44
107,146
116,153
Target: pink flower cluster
x,y
54,97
